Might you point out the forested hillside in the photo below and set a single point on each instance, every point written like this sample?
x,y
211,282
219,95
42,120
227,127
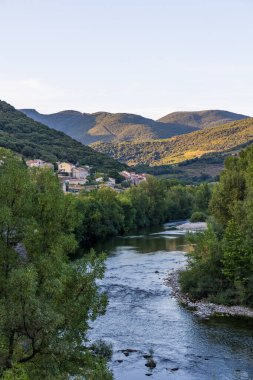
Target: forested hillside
x,y
35,140
181,148
105,126
114,127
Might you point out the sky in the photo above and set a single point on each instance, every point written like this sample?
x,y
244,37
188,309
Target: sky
x,y
149,57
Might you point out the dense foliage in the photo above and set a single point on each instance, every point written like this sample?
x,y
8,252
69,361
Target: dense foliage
x,y
46,301
220,267
107,213
204,169
181,148
34,140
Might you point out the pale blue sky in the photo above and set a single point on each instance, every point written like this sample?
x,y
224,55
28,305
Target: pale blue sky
x,y
149,57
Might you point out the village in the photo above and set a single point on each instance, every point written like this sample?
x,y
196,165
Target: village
x,y
76,178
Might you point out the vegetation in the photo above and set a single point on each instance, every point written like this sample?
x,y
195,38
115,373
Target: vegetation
x,y
204,169
198,216
34,140
220,268
181,148
151,363
107,213
46,301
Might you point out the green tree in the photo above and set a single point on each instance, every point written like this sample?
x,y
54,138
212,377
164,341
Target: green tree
x,y
102,215
231,221
202,197
46,301
149,201
236,260
180,202
230,190
129,212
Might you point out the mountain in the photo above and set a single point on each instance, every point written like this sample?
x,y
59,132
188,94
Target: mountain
x,y
35,140
181,148
115,127
202,119
106,127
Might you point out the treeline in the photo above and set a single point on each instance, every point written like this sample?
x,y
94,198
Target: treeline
x,y
106,213
221,266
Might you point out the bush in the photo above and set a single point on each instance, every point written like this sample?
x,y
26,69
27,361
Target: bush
x,y
201,281
198,216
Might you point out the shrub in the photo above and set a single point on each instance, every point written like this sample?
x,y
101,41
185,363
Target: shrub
x,y
198,216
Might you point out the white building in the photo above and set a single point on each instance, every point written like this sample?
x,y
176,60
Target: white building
x,y
39,164
111,181
65,167
100,179
133,177
80,172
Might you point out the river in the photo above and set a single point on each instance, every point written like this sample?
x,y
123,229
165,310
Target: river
x,y
142,315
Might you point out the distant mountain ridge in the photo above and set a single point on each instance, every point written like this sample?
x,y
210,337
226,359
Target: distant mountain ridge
x,y
32,139
118,127
202,119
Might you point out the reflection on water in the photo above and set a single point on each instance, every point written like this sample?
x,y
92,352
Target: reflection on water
x,y
142,315
151,240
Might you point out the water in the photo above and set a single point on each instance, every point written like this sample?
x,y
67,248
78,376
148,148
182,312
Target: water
x,y
143,315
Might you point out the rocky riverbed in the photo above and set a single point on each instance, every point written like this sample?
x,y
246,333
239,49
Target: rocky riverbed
x,y
202,308
192,227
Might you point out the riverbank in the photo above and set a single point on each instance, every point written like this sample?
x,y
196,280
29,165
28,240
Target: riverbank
x,y
192,227
204,309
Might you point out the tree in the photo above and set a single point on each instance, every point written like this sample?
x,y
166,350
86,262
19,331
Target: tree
x,y
180,202
202,197
232,237
229,191
149,201
102,215
236,254
46,301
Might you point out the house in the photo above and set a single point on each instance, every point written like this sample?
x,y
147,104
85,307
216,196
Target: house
x,y
112,181
75,181
138,178
72,177
65,167
100,179
134,178
80,172
126,175
39,164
